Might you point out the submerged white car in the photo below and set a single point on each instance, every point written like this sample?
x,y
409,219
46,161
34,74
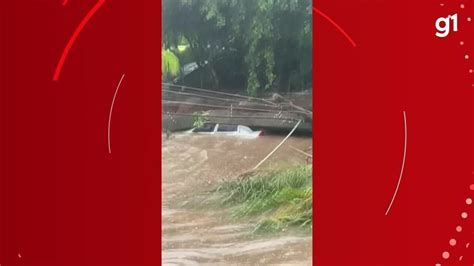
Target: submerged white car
x,y
226,130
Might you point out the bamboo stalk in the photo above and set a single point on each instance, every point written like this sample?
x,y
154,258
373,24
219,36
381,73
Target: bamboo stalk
x,y
277,147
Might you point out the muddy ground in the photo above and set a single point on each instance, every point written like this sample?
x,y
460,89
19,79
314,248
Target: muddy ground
x,y
196,230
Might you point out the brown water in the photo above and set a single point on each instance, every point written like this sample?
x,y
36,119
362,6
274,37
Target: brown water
x,y
197,232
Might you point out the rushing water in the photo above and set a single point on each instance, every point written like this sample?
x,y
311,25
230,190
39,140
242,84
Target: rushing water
x,y
194,232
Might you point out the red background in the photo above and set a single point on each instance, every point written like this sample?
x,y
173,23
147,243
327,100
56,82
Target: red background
x,y
398,65
65,201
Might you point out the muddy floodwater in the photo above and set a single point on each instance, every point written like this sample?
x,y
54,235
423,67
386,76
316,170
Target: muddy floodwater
x,y
196,232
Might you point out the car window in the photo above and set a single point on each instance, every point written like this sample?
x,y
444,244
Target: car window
x,y
208,127
226,128
243,129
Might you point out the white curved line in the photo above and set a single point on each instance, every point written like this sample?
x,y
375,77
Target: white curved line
x,y
403,164
110,113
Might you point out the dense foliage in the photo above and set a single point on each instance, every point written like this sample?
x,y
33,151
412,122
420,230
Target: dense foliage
x,y
170,65
260,45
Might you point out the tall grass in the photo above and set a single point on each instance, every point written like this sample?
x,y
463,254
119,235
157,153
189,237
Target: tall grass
x,y
280,199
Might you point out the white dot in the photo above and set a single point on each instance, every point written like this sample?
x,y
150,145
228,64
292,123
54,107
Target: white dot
x,y
467,245
469,200
461,43
437,264
460,258
445,255
466,56
462,5
470,71
452,242
469,19
459,229
464,215
441,4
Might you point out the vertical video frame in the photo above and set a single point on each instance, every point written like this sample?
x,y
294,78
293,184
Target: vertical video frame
x,y
237,132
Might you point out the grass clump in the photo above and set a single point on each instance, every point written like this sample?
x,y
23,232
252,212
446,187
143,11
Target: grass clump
x,y
280,199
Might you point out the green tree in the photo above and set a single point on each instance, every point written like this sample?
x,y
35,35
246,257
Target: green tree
x,y
170,66
268,42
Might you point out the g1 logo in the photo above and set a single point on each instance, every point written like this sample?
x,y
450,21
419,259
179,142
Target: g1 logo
x,y
443,25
